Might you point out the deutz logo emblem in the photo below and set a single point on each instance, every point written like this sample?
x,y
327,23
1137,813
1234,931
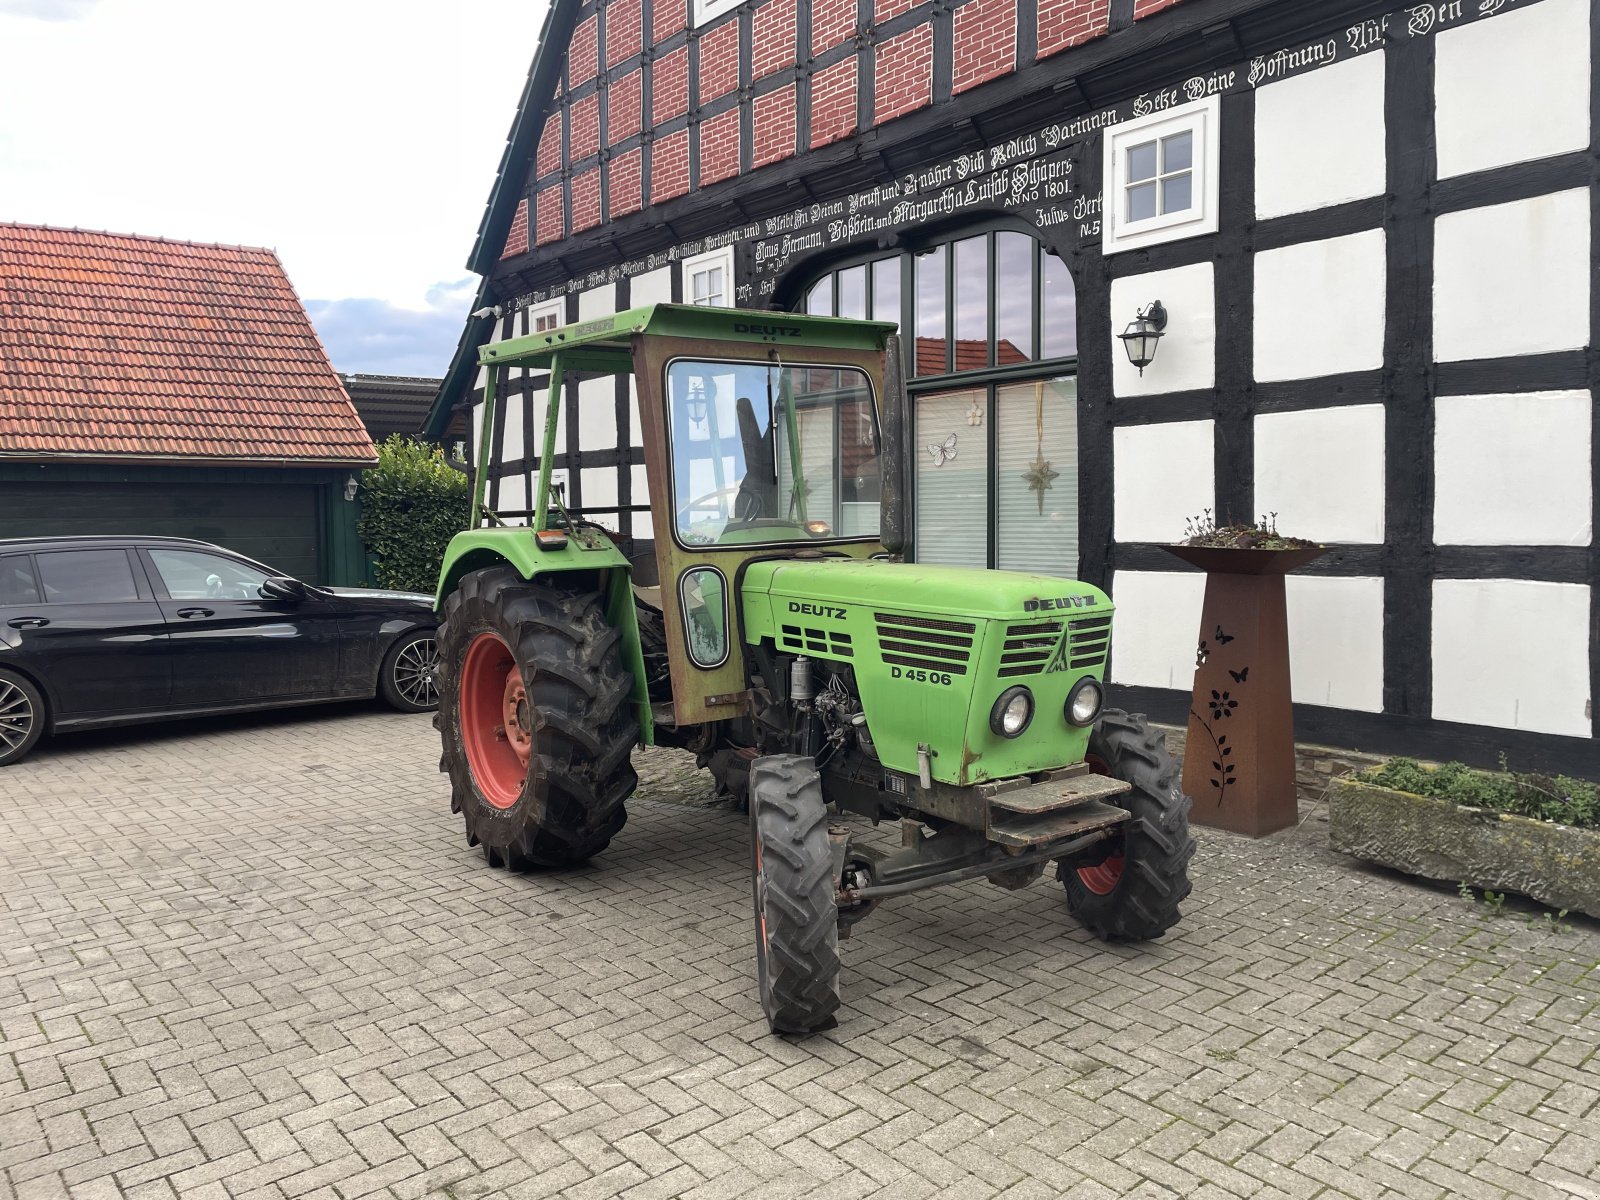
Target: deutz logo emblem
x,y
1058,660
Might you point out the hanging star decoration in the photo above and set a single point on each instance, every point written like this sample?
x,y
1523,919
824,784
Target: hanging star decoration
x,y
975,414
1038,477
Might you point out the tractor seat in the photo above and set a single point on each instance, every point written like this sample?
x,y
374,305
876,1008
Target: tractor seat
x,y
648,594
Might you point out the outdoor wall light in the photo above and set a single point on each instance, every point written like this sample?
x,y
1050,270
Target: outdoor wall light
x,y
697,399
1140,337
350,486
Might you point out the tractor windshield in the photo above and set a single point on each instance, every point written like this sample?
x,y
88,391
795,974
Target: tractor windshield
x,y
763,452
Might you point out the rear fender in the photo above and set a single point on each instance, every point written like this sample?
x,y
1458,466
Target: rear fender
x,y
595,556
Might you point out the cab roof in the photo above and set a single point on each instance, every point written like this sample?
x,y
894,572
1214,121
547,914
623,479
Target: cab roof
x,y
605,345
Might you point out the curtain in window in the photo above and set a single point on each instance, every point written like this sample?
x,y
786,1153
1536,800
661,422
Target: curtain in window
x,y
952,523
1036,477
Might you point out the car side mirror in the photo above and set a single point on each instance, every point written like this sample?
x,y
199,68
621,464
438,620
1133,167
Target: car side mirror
x,y
281,587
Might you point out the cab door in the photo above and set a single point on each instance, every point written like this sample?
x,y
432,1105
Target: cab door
x,y
233,644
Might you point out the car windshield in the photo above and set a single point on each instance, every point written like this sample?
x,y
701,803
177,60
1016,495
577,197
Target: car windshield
x,y
768,453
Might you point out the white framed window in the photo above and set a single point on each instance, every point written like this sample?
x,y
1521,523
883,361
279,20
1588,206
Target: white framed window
x,y
1161,174
710,10
708,279
542,318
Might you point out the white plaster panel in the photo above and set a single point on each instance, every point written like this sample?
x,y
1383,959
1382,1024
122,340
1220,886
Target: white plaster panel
x,y
1164,474
600,490
1320,138
1336,641
1186,358
541,409
597,302
1319,307
1512,89
513,495
1156,627
642,526
1322,472
1512,278
1513,470
477,432
597,415
653,287
1512,653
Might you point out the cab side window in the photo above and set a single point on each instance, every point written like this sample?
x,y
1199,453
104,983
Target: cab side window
x,y
17,585
86,577
194,575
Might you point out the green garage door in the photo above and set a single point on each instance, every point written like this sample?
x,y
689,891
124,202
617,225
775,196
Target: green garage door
x,y
276,524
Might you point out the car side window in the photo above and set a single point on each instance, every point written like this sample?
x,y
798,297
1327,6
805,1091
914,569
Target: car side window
x,y
86,577
17,585
195,575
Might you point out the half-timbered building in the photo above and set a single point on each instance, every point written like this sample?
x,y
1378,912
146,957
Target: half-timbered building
x,y
1370,225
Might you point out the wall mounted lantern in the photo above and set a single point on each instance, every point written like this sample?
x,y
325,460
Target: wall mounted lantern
x,y
350,487
1140,337
697,400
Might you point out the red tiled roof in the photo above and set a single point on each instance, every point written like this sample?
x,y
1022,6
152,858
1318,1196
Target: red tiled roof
x,y
136,347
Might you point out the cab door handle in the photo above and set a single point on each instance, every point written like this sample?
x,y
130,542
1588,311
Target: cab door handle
x,y
195,612
28,622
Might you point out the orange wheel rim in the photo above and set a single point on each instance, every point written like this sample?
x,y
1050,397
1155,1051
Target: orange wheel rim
x,y
1103,877
496,724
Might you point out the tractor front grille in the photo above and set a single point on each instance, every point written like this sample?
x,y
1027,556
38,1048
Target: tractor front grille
x,y
1091,639
924,642
1028,648
827,642
1036,647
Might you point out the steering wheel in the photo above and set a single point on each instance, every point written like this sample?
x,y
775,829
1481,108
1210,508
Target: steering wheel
x,y
709,497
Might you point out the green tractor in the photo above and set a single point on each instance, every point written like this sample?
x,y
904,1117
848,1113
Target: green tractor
x,y
777,634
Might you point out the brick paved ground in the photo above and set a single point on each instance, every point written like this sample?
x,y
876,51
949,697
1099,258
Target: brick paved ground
x,y
257,959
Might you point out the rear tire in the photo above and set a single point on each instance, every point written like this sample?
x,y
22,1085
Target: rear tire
x,y
1129,891
22,717
535,720
796,911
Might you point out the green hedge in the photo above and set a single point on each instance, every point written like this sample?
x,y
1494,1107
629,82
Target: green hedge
x,y
1555,798
412,504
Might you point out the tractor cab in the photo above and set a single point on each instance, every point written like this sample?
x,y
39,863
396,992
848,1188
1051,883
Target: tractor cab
x,y
786,642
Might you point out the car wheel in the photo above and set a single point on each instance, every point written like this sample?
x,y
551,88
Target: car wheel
x,y
407,681
21,717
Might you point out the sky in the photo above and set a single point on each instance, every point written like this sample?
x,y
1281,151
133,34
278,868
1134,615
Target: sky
x,y
357,138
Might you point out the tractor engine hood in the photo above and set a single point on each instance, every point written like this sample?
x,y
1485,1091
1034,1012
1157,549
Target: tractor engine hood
x,y
932,649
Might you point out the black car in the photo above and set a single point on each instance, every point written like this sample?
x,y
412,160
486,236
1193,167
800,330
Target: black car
x,y
114,630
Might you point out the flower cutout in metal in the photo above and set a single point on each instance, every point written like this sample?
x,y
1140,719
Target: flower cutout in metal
x,y
1222,705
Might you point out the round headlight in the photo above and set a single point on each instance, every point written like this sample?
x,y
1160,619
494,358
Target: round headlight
x,y
1085,703
1012,712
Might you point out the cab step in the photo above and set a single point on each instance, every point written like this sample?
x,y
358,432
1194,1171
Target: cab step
x,y
1042,828
1059,794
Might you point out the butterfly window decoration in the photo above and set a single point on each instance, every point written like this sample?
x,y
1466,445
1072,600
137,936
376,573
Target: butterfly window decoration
x,y
944,452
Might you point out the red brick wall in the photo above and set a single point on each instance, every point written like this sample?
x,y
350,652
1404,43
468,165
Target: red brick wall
x,y
903,79
623,102
882,10
719,147
586,200
1143,8
1067,23
585,126
985,42
667,17
773,135
549,156
549,225
719,61
833,103
624,181
669,167
831,22
773,38
669,82
583,55
517,238
624,30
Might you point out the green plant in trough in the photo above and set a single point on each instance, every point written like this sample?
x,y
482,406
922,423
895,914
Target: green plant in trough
x,y
1556,798
412,503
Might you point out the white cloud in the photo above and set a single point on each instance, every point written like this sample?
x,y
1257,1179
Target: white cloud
x,y
358,138
365,336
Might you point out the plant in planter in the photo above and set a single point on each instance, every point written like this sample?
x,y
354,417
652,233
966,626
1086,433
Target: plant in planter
x,y
1239,762
1503,831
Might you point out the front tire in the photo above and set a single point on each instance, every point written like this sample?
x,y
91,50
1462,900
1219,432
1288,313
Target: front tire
x,y
22,717
1129,891
407,679
535,720
796,910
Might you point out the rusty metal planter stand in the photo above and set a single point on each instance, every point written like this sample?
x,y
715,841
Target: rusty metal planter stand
x,y
1238,761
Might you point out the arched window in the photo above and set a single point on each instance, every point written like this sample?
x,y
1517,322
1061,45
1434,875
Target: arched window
x,y
992,368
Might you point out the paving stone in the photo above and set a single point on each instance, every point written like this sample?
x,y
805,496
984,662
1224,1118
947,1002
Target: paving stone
x,y
255,958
